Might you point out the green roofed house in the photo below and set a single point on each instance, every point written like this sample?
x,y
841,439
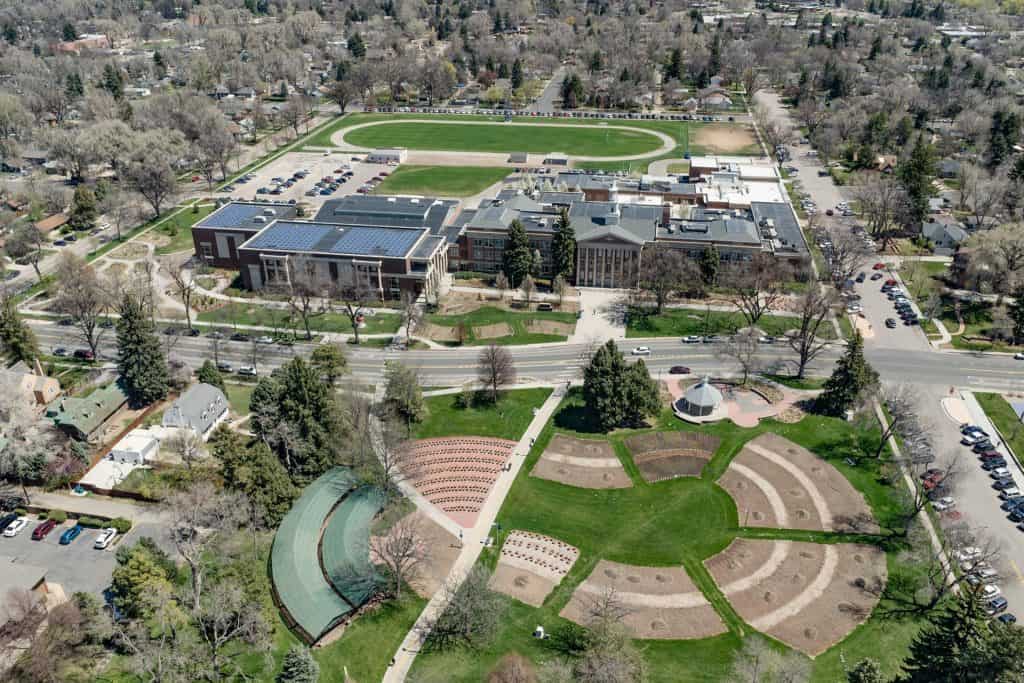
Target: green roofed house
x,y
319,563
80,418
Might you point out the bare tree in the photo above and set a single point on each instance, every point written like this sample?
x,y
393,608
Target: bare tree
x,y
184,280
501,284
153,647
742,348
186,444
757,288
981,192
662,272
849,254
881,200
355,298
559,286
402,551
226,619
25,243
529,289
82,296
472,614
814,308
758,662
342,93
495,369
411,314
25,611
307,293
196,517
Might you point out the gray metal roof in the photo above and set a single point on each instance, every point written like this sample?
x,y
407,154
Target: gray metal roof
x,y
327,238
427,247
246,215
388,212
635,223
703,394
198,409
790,236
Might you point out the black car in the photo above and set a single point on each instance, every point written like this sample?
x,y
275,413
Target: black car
x,y
171,331
240,336
1017,514
191,332
60,351
890,323
982,446
107,324
1012,504
679,370
992,464
861,277
6,520
1005,483
1007,618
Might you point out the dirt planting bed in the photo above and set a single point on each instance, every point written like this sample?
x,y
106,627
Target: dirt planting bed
x,y
493,331
808,595
667,455
777,483
437,332
723,139
661,602
550,327
586,463
531,565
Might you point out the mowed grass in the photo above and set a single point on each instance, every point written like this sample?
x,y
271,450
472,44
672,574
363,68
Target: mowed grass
x,y
686,321
581,140
239,397
179,229
260,316
490,315
444,181
1005,418
506,419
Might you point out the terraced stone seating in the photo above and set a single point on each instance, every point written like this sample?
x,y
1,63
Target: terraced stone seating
x,y
666,455
457,473
531,565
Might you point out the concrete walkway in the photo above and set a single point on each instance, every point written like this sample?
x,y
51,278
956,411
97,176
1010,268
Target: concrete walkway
x,y
94,506
602,316
473,540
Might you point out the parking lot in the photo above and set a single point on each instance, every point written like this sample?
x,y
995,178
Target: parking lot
x,y
319,167
76,566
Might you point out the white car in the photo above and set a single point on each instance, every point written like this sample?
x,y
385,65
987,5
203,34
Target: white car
x,y
967,554
971,438
247,370
105,538
15,527
691,339
642,351
1000,473
1011,492
1018,356
943,504
990,590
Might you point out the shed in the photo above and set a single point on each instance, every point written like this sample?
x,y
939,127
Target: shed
x,y
556,159
518,158
388,155
200,409
136,448
701,399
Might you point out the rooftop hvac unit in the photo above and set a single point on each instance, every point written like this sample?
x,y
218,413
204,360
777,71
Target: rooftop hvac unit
x,y
260,219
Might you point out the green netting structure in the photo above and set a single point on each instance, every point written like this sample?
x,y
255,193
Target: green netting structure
x,y
345,546
309,603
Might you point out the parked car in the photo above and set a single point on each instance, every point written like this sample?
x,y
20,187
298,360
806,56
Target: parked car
x,y
1007,618
691,339
105,538
642,351
965,428
43,529
84,354
247,371
878,266
15,527
264,339
993,463
1000,473
679,370
1003,484
240,336
967,554
996,605
224,366
943,504
1009,493
877,276
71,534
60,351
890,323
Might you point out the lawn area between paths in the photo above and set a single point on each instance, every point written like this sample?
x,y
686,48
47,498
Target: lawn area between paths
x,y
672,522
1005,418
179,229
489,315
506,419
977,316
251,314
679,322
443,181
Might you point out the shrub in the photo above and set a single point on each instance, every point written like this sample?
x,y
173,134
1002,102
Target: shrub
x,y
21,512
91,522
58,516
43,515
122,525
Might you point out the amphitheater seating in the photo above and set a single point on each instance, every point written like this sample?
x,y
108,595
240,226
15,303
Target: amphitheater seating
x,y
666,455
542,554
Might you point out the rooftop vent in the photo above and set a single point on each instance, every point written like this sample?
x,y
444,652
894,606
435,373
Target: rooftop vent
x,y
260,219
269,212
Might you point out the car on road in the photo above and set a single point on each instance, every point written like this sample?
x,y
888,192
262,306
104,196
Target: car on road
x,y
60,243
679,370
860,277
642,351
224,366
60,351
215,334
15,527
996,605
943,504
714,339
876,276
878,266
43,529
240,336
105,538
247,371
84,354
264,339
890,323
1009,493
1018,356
71,534
691,339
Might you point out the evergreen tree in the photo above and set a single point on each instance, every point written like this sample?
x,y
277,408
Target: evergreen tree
x,y
865,671
17,340
917,175
518,257
329,360
563,247
83,209
68,32
356,46
709,263
402,393
112,81
73,87
209,374
850,380
641,393
1016,312
140,358
253,469
299,666
675,68
618,394
517,74
10,33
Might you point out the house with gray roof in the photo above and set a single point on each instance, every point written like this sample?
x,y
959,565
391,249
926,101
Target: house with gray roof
x,y
944,232
200,409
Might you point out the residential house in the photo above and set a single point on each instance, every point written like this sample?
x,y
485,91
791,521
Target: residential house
x,y
199,409
944,232
51,223
38,389
81,418
949,168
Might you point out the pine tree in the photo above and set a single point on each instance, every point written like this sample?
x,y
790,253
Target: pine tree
x,y
917,175
68,32
17,340
865,671
517,74
83,209
209,374
850,380
641,394
1016,312
518,257
603,387
73,87
140,358
356,46
299,666
709,263
112,81
563,247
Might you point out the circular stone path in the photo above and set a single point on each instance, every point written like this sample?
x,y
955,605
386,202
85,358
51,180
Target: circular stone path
x,y
667,142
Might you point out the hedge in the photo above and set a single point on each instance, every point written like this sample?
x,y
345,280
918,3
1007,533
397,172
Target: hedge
x,y
58,516
122,525
91,522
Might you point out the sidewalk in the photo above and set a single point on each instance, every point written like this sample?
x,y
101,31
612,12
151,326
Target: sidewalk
x,y
473,540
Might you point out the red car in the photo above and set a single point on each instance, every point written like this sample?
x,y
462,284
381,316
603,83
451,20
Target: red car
x,y
890,283
878,266
84,354
40,532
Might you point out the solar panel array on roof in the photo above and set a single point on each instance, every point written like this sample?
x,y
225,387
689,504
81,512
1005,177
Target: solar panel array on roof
x,y
232,215
376,241
336,239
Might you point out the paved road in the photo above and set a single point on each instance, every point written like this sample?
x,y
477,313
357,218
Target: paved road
x,y
545,104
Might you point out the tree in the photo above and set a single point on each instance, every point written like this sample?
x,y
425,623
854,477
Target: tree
x,y
757,661
26,243
17,340
254,471
148,169
813,308
610,656
495,369
560,287
662,273
24,457
472,614
298,666
138,576
742,348
329,360
917,175
851,379
208,373
881,199
355,297
140,358
563,247
517,257
183,279
83,209
501,284
342,92
866,670
615,392
757,288
571,91
402,393
186,444
517,74
1015,310
68,32
196,517
709,263
411,314
112,81
402,552
529,289
307,293
981,192
81,296
356,46
230,625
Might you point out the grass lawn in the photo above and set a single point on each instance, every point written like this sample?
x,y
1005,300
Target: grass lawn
x,y
977,318
179,229
679,168
499,137
678,322
507,419
489,315
252,314
1006,420
239,396
922,278
667,523
444,181
807,383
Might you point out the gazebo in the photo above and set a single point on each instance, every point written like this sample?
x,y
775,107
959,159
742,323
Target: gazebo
x,y
700,400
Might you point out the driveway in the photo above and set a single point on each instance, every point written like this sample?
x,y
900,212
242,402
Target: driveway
x,y
545,104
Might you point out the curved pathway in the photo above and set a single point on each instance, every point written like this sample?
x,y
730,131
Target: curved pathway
x,y
667,142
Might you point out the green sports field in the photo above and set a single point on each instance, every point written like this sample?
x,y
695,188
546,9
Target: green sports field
x,y
445,181
500,137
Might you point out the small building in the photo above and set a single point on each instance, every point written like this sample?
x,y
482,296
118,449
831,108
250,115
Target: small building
x,y
136,448
556,159
51,223
81,418
944,232
38,389
518,158
949,168
388,155
17,577
700,400
200,409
